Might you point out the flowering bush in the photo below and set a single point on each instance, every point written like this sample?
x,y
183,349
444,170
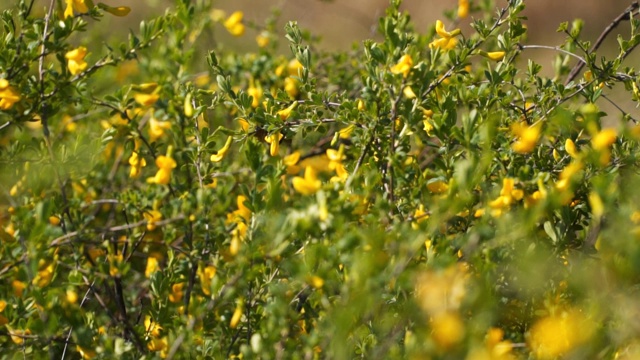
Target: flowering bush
x,y
427,195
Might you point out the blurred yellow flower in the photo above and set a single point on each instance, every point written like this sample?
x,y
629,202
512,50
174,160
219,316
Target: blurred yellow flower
x,y
408,92
152,216
558,334
157,128
137,163
274,142
8,95
255,91
165,165
151,327
146,99
176,294
285,113
293,67
156,344
206,275
263,39
237,315
403,66
440,291
44,275
152,266
234,24
527,137
291,87
218,156
463,9
18,336
309,184
75,60
438,186
419,216
571,148
75,5
603,139
447,329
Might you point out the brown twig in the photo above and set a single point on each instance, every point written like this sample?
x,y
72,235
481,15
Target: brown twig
x,y
627,14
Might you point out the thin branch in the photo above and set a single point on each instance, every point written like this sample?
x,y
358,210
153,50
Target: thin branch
x,y
62,240
581,60
627,14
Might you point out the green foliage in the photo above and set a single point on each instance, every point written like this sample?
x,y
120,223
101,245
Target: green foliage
x,y
427,195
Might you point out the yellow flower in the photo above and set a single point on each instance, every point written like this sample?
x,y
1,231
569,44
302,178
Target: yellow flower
x,y
146,99
443,43
234,24
157,128
597,206
237,315
151,327
448,329
114,263
152,266
419,215
293,67
556,335
263,39
75,60
165,165
75,5
8,96
117,11
17,336
603,139
243,214
157,344
527,137
443,32
44,275
152,216
403,66
316,281
18,287
442,291
495,55
447,39
255,91
571,148
274,141
72,296
86,353
463,9
137,163
291,87
438,186
309,184
408,92
206,274
217,157
285,113
176,293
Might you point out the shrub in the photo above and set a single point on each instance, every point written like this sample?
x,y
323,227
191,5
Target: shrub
x,y
422,196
